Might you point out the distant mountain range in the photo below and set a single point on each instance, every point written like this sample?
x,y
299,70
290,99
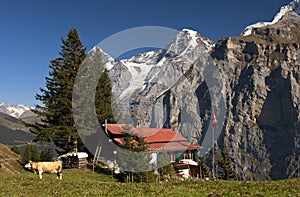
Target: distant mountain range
x,y
17,111
12,128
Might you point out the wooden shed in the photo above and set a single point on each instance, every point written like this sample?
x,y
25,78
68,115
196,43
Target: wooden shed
x,y
74,160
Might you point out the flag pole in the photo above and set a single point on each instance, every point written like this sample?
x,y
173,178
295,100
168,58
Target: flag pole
x,y
213,152
214,123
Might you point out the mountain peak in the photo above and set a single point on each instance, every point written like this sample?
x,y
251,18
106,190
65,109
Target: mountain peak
x,y
106,58
186,41
292,6
192,33
196,38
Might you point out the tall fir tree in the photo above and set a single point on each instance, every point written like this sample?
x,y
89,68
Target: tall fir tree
x,y
92,101
57,122
104,95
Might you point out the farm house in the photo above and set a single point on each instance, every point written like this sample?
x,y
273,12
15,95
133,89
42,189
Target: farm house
x,y
158,140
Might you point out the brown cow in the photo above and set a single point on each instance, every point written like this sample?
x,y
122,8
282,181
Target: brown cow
x,y
47,167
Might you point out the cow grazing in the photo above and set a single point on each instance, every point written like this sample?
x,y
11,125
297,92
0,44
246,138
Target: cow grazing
x,y
47,167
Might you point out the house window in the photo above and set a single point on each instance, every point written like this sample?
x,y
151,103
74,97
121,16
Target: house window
x,y
173,156
188,155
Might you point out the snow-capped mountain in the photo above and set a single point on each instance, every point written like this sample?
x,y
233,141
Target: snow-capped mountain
x,y
293,6
17,111
135,76
251,83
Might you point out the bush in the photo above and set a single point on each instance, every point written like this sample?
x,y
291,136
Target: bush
x,y
46,155
167,173
16,149
30,153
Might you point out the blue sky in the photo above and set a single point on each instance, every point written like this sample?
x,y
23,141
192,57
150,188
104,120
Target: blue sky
x,y
31,30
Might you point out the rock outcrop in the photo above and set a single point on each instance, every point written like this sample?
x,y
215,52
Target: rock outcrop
x,y
262,121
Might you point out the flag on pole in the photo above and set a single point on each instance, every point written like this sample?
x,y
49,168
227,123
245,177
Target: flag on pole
x,y
214,119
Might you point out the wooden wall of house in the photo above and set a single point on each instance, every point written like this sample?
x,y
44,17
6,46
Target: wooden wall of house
x,y
73,162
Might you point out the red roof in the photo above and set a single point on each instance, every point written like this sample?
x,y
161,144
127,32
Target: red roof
x,y
151,134
164,135
115,128
172,146
157,139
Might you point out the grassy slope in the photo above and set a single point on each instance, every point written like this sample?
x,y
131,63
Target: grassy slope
x,y
9,161
81,182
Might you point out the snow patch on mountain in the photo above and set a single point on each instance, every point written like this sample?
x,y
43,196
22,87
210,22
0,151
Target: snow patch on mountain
x,y
192,36
139,72
293,6
17,111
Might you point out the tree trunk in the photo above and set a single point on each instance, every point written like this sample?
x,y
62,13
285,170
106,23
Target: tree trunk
x,y
73,144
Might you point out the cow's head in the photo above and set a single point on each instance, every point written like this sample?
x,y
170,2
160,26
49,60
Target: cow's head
x,y
28,166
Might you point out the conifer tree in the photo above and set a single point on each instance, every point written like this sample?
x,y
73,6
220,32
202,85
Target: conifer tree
x,y
56,112
92,102
204,171
103,99
95,77
225,170
46,155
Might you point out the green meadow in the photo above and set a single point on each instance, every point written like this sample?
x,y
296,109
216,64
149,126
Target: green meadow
x,y
82,182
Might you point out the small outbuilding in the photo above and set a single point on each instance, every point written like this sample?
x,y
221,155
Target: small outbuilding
x,y
74,160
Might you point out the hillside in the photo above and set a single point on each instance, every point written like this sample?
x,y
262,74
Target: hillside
x,y
9,161
13,131
11,122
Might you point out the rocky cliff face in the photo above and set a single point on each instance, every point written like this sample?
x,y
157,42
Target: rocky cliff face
x,y
251,82
262,98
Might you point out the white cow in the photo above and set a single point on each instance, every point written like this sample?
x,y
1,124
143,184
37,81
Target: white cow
x,y
47,167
